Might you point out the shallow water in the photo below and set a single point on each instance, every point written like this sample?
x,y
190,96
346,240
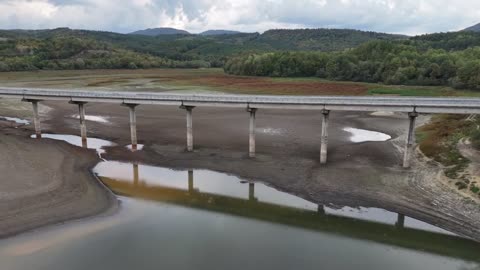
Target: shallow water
x,y
93,118
15,119
92,143
363,135
207,220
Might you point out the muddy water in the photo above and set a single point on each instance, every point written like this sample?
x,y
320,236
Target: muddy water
x,y
206,220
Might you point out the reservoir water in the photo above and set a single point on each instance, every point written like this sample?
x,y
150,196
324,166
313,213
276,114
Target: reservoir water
x,y
199,219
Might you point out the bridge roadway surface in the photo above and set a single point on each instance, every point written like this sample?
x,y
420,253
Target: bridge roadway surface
x,y
334,103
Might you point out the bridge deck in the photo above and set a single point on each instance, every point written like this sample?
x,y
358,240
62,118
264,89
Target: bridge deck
x,y
341,103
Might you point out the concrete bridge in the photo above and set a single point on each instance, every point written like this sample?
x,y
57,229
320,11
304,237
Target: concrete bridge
x,y
412,106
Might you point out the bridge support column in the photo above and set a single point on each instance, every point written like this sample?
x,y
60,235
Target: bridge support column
x,y
324,137
133,124
36,119
190,181
251,141
189,127
400,221
410,141
83,125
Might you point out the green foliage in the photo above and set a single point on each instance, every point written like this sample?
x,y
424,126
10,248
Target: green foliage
x,y
376,61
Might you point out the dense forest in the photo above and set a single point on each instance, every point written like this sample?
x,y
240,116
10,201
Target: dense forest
x,y
64,48
336,54
440,59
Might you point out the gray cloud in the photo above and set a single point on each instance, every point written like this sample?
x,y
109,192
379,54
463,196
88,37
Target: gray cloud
x,y
395,16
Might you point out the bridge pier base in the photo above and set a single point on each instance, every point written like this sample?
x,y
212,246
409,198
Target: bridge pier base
x,y
251,141
324,137
36,119
133,124
189,110
410,141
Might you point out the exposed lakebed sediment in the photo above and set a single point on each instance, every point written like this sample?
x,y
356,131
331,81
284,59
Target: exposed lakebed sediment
x,y
363,174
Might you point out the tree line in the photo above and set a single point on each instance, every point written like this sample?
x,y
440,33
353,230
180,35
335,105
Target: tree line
x,y
376,61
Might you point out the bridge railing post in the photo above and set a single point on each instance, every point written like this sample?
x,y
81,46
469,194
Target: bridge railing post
x,y
410,140
324,137
251,140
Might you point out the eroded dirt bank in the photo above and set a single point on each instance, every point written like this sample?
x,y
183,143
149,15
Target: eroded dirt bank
x,y
357,174
46,182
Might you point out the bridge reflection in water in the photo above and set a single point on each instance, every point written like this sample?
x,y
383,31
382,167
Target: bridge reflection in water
x,y
295,214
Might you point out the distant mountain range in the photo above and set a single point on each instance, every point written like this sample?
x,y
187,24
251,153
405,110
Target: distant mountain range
x,y
475,28
219,32
160,31
172,31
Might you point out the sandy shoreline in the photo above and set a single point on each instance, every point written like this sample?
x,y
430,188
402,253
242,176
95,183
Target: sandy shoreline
x,y
357,174
46,182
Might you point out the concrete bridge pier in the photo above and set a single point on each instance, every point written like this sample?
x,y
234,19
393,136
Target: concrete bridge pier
x,y
189,110
133,124
410,141
190,181
251,141
324,137
36,119
83,125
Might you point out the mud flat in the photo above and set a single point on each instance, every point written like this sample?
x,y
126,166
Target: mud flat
x,y
46,182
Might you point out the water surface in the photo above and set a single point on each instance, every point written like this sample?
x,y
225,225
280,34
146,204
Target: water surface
x,y
200,219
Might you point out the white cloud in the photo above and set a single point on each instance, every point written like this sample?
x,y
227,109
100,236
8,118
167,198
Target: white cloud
x,y
396,16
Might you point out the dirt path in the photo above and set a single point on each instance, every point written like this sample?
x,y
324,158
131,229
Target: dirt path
x,y
45,182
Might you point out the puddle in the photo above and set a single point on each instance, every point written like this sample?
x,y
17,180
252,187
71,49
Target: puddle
x,y
93,118
139,147
363,135
270,131
16,120
382,113
158,179
92,143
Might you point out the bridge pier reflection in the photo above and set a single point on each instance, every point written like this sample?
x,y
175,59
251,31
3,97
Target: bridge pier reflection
x,y
321,209
190,182
251,192
136,178
400,221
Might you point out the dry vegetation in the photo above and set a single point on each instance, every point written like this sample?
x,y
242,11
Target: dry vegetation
x,y
439,139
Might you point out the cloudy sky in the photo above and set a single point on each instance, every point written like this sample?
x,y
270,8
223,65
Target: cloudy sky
x,y
393,16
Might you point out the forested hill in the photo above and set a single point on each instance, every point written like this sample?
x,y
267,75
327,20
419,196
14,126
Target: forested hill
x,y
475,28
30,49
435,59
